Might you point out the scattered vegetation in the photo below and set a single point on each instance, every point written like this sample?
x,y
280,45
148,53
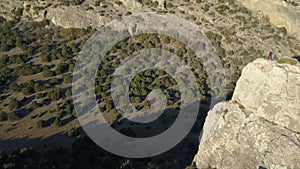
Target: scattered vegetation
x,y
191,167
291,2
37,78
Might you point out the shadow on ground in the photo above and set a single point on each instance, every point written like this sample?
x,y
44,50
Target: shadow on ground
x,y
297,57
82,152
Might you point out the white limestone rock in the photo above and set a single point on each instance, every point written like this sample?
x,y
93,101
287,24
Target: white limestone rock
x,y
260,126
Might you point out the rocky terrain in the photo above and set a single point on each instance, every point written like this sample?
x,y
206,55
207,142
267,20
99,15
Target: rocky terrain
x,y
281,13
40,41
239,35
260,126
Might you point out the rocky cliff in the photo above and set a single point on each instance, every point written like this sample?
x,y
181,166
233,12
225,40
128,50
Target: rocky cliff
x,y
281,13
259,127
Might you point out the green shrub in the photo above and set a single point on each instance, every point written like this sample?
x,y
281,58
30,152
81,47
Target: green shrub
x,y
206,7
67,79
97,2
283,30
26,70
57,122
53,81
190,167
73,132
27,90
3,116
39,95
14,87
55,94
68,93
13,104
291,2
37,87
13,116
61,68
34,105
48,73
221,9
4,59
76,2
41,124
9,166
45,58
119,2
244,10
288,61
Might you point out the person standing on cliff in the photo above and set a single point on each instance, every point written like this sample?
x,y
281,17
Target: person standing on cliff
x,y
270,57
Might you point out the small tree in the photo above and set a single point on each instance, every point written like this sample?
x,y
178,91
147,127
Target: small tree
x,y
14,87
55,94
47,73
34,105
13,104
64,50
45,58
39,95
27,90
73,132
97,2
57,122
67,79
13,116
9,166
3,116
41,124
53,81
68,93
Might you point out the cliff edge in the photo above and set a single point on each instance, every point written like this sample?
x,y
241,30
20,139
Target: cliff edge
x,y
259,127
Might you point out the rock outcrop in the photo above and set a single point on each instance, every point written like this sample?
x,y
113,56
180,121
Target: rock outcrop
x,y
281,13
259,127
74,17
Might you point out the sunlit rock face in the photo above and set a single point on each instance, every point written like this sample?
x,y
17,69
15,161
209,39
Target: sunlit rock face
x,y
68,16
281,13
260,126
74,17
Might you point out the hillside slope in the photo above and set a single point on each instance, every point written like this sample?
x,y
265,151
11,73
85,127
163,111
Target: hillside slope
x,y
281,13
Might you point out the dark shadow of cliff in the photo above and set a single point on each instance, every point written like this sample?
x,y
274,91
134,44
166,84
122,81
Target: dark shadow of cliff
x,y
178,157
40,144
297,58
183,153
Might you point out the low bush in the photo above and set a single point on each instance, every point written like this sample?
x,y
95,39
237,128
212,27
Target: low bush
x,y
3,116
57,122
190,167
13,104
73,132
13,116
288,61
41,124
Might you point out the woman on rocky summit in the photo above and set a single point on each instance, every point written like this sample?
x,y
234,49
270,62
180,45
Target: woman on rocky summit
x,y
270,57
